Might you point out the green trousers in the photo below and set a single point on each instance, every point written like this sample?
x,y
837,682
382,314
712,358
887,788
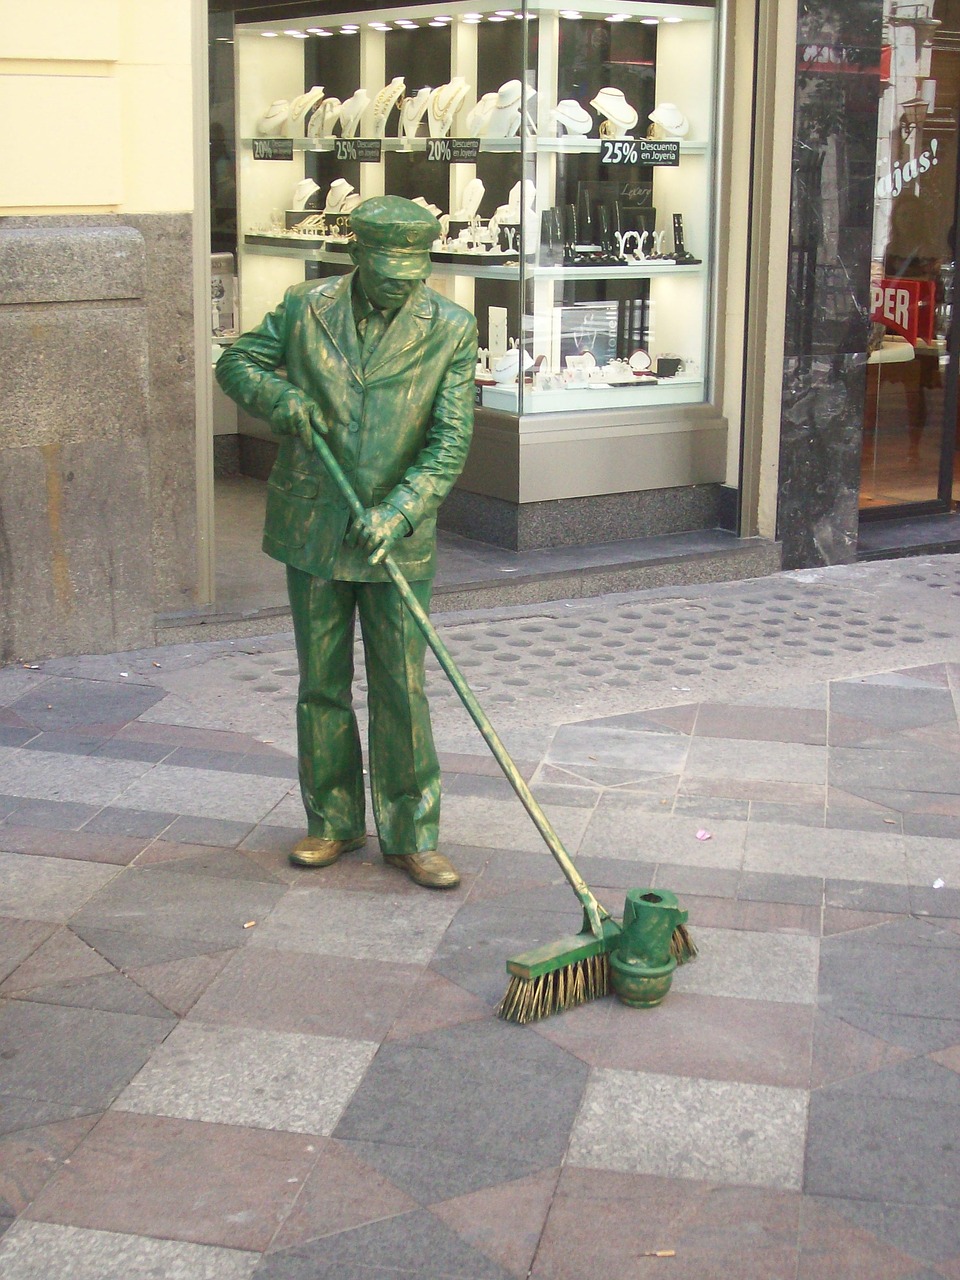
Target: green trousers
x,y
404,771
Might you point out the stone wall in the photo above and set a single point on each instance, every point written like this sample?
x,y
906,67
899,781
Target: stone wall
x,y
97,434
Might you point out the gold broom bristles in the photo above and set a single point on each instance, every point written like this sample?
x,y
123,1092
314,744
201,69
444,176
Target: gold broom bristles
x,y
528,999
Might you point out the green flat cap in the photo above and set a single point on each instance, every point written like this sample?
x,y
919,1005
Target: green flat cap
x,y
397,234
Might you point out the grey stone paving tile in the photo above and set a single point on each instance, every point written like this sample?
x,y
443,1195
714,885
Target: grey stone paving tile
x,y
930,1232
63,703
18,1113
842,818
246,1076
857,895
682,1127
756,761
482,936
17,681
752,966
19,939
702,881
635,751
438,1141
171,904
196,860
269,766
892,702
874,773
52,815
38,888
931,858
42,1250
15,736
132,950
8,804
212,831
913,1080
74,744
73,1057
620,828
204,793
401,1246
53,775
943,903
802,890
896,981
204,758
122,749
946,826
128,822
802,815
852,855
374,926
711,808
498,824
883,1148
112,992
61,957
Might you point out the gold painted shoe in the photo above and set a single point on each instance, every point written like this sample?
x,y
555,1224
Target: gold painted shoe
x,y
431,869
318,851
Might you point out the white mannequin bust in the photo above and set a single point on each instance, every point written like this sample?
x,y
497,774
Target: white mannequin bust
x,y
351,113
619,116
444,104
384,102
324,119
411,113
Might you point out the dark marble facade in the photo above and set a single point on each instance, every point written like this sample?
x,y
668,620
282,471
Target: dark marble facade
x,y
827,318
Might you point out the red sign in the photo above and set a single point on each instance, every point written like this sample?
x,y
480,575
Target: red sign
x,y
905,307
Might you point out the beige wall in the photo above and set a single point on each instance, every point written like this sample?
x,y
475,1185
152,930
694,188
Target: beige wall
x,y
96,102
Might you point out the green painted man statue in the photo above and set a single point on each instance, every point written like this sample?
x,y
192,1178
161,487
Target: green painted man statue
x,y
384,368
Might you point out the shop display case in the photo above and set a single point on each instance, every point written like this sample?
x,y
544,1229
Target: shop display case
x,y
568,154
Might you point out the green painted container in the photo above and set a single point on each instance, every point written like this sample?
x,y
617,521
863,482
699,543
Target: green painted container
x,y
642,965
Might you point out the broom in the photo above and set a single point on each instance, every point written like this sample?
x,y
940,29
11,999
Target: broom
x,y
571,970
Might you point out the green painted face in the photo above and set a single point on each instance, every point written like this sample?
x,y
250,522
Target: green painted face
x,y
385,291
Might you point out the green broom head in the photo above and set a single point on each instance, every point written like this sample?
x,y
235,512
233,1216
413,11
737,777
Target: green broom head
x,y
559,975
571,971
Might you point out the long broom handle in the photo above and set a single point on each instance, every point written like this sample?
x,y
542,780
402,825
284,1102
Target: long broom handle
x,y
595,914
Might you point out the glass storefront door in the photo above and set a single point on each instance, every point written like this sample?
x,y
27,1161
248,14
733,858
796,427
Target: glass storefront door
x,y
910,425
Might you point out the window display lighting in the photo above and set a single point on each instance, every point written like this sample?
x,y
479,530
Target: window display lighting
x,y
319,31
269,35
650,22
571,14
297,35
495,17
618,17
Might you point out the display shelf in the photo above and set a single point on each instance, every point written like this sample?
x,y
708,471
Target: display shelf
x,y
679,390
412,146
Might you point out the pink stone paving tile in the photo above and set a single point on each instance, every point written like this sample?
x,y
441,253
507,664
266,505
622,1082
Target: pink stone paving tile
x,y
609,1224
180,1180
19,939
339,1194
840,920
79,845
176,735
179,984
436,1003
761,724
948,1057
31,1157
682,717
61,957
504,1222
761,917
708,1037
831,1248
841,1051
745,789
170,851
308,994
482,765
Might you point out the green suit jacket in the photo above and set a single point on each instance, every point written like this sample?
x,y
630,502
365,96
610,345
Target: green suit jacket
x,y
400,428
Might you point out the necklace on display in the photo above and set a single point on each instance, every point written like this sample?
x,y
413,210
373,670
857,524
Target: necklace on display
x,y
618,113
384,102
273,123
351,113
324,118
411,112
478,119
301,106
444,105
571,117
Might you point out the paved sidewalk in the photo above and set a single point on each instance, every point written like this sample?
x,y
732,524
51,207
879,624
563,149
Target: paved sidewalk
x,y
215,1066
